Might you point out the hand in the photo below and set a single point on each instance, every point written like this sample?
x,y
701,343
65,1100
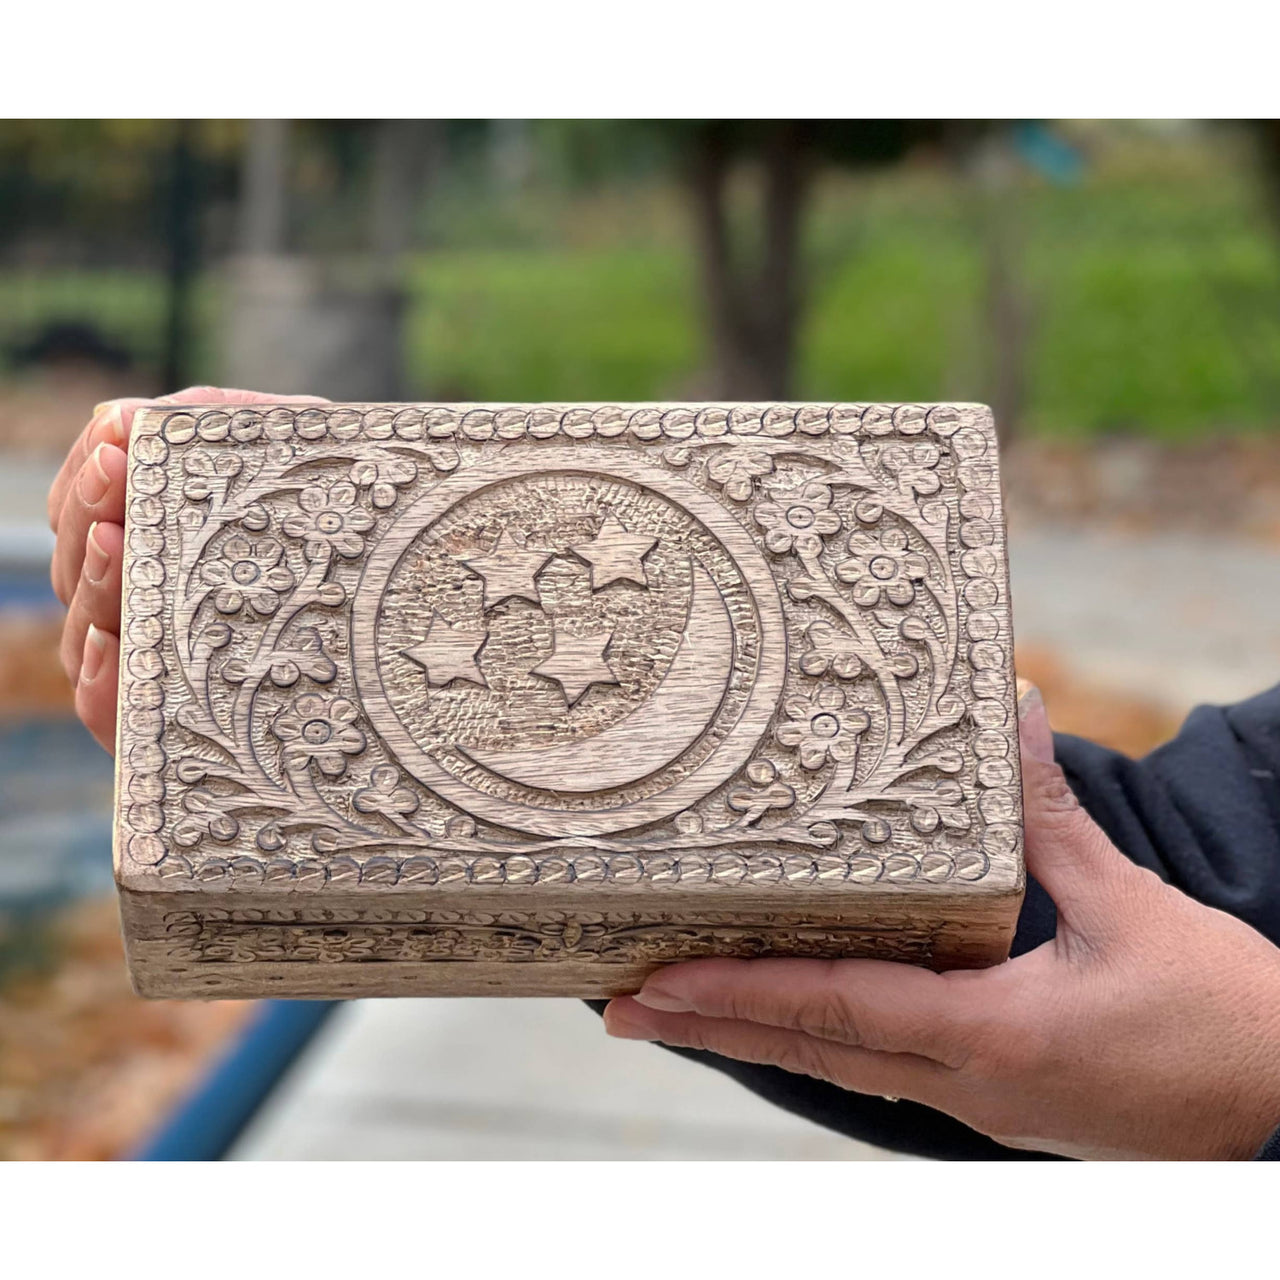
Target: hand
x,y
86,512
1149,1027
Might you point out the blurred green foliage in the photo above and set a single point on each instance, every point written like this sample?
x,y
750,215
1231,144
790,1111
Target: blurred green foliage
x,y
552,324
1153,304
127,305
1151,288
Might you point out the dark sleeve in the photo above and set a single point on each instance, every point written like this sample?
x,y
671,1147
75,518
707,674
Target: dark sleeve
x,y
1202,811
1271,1148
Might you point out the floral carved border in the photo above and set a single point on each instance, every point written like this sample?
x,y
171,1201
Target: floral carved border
x,y
372,936
962,533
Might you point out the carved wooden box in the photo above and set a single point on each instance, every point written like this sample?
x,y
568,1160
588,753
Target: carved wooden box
x,y
532,699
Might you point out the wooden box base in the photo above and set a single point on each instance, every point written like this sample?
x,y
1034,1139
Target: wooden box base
x,y
178,948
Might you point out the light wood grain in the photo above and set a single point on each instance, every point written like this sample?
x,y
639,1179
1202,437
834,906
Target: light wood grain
x,y
658,731
533,699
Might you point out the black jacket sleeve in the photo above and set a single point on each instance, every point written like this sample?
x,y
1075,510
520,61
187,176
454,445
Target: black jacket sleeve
x,y
1202,811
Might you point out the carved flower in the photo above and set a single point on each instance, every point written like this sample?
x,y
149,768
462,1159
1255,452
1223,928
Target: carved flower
x,y
570,932
205,817
384,794
797,518
942,805
913,466
822,728
831,650
248,571
883,564
255,518
442,455
304,657
912,630
329,517
382,476
208,471
925,818
319,729
736,471
902,664
763,792
333,946
868,510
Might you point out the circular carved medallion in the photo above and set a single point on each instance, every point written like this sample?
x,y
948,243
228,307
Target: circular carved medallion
x,y
567,641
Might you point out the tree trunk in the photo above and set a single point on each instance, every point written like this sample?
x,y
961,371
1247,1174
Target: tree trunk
x,y
753,308
779,297
264,213
1008,312
183,255
1266,136
404,158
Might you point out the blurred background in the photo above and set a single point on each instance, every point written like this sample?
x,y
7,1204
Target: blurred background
x,y
1112,288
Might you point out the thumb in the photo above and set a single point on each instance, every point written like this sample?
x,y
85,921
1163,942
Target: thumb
x,y
234,395
1066,851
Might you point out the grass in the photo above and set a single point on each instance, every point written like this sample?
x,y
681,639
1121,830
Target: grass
x,y
1152,302
552,324
128,306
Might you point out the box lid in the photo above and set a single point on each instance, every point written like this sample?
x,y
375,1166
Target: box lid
x,y
555,649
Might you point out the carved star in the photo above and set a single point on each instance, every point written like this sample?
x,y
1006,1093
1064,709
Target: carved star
x,y
577,662
449,652
508,570
614,554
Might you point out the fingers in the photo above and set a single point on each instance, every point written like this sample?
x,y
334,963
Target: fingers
x,y
865,1004
97,494
97,598
86,510
897,1075
96,689
78,496
1066,851
112,423
109,425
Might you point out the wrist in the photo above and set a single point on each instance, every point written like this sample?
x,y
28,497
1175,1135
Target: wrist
x,y
1254,1096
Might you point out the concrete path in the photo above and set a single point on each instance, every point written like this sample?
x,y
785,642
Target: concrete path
x,y
1177,619
514,1080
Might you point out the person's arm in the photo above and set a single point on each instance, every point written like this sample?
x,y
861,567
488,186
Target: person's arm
x,y
1147,1024
1202,811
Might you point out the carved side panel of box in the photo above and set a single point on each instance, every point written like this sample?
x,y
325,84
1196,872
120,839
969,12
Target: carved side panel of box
x,y
520,699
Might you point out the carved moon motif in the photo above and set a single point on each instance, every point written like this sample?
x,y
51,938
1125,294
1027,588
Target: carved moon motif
x,y
655,733
698,724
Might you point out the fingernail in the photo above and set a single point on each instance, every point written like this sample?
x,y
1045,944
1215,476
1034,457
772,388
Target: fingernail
x,y
1033,726
95,645
96,560
663,1001
94,481
619,1024
110,422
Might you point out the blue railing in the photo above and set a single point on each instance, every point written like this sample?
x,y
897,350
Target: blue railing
x,y
207,1124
